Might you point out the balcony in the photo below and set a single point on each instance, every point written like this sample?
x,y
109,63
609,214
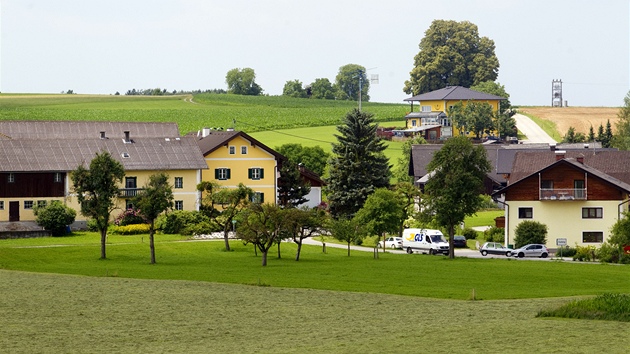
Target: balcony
x,y
563,194
129,192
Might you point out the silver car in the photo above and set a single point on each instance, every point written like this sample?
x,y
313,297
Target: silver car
x,y
494,248
531,250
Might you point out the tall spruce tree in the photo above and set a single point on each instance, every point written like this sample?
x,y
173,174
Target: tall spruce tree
x,y
358,165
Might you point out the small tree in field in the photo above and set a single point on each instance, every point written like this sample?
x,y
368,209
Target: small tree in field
x,y
154,199
346,230
55,217
530,232
381,213
97,189
260,224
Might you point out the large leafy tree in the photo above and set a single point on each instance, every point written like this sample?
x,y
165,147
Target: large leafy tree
x,y
292,190
242,82
348,80
453,192
495,88
622,138
452,54
155,198
322,88
358,165
97,188
480,117
312,157
294,89
382,213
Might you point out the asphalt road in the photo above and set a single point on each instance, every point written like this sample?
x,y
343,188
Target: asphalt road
x,y
532,131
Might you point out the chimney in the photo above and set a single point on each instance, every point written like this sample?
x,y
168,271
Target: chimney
x,y
560,154
205,132
127,140
580,159
103,135
552,147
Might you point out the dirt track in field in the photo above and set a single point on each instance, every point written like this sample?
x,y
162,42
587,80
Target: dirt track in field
x,y
580,118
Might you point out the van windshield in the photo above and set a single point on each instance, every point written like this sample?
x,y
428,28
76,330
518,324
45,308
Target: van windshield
x,y
437,238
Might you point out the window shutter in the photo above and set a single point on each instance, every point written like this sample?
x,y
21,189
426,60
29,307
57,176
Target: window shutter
x,y
249,173
262,198
228,173
216,173
262,173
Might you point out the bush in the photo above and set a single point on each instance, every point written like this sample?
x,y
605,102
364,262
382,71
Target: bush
x,y
610,253
129,217
494,234
530,232
186,223
91,225
134,229
584,253
488,203
469,233
55,217
566,251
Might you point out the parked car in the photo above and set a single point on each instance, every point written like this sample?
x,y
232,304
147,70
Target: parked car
x,y
459,241
391,242
531,250
494,248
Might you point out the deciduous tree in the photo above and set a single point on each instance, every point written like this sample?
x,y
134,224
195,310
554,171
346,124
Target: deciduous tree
x,y
96,189
622,138
260,225
301,223
322,89
312,157
452,54
292,190
346,230
155,198
382,213
358,166
347,83
453,192
55,217
242,82
294,89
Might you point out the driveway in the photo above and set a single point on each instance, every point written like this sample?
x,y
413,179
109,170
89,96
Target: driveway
x,y
532,131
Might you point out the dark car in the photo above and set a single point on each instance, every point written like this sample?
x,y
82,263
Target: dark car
x,y
459,241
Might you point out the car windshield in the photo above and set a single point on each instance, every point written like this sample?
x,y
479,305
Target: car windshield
x,y
437,238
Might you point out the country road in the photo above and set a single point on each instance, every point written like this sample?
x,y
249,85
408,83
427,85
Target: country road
x,y
532,131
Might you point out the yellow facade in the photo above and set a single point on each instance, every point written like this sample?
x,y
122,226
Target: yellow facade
x,y
444,106
564,220
187,195
239,156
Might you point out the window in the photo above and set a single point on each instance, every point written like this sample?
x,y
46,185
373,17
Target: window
x,y
592,237
179,205
179,182
28,204
525,213
414,122
128,205
222,173
256,173
258,197
131,182
592,213
426,108
232,150
546,184
1,204
244,150
57,178
578,185
11,178
41,203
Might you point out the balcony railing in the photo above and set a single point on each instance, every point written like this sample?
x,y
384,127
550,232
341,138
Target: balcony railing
x,y
563,194
129,192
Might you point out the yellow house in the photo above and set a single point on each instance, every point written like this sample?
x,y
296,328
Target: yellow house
x,y
234,157
39,156
431,118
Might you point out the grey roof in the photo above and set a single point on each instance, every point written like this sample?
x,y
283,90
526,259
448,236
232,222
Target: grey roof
x,y
39,152
454,93
426,115
84,129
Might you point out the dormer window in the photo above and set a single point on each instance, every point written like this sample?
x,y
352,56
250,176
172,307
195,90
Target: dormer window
x,y
11,178
125,155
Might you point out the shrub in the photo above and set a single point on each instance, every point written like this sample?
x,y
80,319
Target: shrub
x,y
494,234
584,253
488,203
55,217
469,233
186,223
530,232
129,217
611,307
91,225
133,229
610,253
566,251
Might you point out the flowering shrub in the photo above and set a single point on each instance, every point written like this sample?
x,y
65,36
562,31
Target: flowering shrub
x,y
134,229
129,217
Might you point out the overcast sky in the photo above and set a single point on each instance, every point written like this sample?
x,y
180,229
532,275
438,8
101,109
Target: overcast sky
x,y
104,46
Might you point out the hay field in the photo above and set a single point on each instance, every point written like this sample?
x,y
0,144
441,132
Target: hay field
x,y
580,118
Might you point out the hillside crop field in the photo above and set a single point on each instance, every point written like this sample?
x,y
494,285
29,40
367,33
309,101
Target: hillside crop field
x,y
192,113
580,118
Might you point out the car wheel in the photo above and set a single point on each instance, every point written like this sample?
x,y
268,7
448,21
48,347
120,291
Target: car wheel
x,y
508,254
393,246
431,252
544,255
521,255
484,253
409,250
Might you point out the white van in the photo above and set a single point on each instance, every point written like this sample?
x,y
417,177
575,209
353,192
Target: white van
x,y
425,241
